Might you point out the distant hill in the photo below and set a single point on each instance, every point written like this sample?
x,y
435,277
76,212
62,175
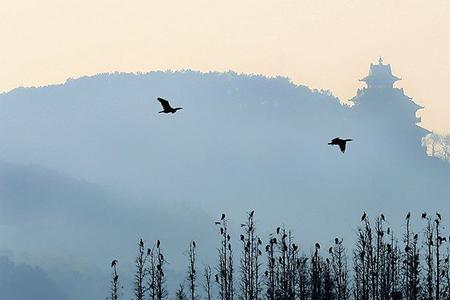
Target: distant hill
x,y
87,154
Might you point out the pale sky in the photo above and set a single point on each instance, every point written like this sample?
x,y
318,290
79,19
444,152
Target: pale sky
x,y
322,44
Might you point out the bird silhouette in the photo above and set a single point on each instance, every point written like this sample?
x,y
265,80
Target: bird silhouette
x,y
166,107
113,263
340,142
363,216
408,216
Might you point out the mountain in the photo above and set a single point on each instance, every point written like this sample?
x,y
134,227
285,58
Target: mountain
x,y
90,165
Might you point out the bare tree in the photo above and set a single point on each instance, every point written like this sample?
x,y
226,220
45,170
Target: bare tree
x,y
438,242
225,270
114,281
339,269
316,274
141,272
249,263
180,294
207,284
192,273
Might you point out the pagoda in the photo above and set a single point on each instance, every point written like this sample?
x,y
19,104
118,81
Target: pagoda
x,y
380,76
385,111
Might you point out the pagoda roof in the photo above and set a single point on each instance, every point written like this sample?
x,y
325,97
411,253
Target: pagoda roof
x,y
380,71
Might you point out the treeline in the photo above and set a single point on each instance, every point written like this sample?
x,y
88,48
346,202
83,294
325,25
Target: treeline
x,y
381,265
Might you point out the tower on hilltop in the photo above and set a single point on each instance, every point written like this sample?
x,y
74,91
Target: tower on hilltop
x,y
385,111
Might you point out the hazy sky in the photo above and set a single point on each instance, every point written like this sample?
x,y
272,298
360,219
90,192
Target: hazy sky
x,y
323,44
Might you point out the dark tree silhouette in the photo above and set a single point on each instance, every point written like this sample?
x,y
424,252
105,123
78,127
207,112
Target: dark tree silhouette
x,y
339,270
383,268
114,281
249,263
192,272
141,272
225,266
207,286
180,294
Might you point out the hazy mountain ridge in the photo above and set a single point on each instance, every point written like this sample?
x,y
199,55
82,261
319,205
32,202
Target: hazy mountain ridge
x,y
102,162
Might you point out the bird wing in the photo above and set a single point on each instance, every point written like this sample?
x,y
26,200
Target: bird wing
x,y
165,104
342,146
335,141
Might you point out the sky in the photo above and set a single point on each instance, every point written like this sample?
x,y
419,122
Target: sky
x,y
322,44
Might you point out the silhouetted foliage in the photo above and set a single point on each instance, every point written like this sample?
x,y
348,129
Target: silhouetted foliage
x,y
383,267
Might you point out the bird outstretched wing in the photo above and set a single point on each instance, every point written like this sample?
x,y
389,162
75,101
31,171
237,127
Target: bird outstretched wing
x,y
335,141
164,103
342,146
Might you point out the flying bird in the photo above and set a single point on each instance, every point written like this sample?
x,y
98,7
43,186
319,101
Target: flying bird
x,y
166,107
340,142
